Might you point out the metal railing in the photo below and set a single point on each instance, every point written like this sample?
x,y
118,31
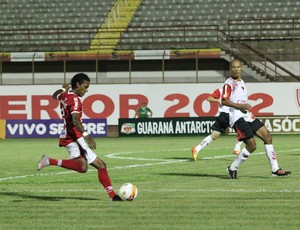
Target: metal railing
x,y
233,41
264,28
79,39
255,59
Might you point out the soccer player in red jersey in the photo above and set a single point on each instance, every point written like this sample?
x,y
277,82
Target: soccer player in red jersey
x,y
245,124
74,138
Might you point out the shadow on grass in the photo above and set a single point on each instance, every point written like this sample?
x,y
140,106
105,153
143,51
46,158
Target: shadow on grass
x,y
46,198
196,175
189,159
178,158
293,154
223,176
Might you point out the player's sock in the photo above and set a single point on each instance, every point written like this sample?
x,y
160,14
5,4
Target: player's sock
x,y
204,143
105,181
271,154
52,161
67,164
238,145
244,154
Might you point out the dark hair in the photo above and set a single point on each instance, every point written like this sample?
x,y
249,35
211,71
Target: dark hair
x,y
237,59
80,78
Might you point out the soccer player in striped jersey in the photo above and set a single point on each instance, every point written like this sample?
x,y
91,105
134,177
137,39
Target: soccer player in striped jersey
x,y
245,124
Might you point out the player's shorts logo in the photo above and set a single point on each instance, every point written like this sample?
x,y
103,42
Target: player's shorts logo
x,y
128,128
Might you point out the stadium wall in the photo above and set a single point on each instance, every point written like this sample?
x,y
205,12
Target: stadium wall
x,y
115,101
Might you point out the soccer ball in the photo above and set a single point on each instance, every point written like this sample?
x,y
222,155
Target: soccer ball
x,y
128,191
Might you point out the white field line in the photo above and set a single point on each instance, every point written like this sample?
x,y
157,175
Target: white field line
x,y
116,156
160,190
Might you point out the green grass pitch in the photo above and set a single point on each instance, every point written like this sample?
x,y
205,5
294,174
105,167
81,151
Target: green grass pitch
x,y
173,191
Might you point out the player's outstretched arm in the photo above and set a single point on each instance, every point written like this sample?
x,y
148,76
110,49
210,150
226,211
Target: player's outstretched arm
x,y
214,100
65,87
242,107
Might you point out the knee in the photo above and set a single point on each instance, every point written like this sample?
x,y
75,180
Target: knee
x,y
99,164
269,139
84,168
215,135
251,147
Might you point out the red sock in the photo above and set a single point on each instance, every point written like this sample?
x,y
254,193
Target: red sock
x,y
67,164
52,161
71,164
105,181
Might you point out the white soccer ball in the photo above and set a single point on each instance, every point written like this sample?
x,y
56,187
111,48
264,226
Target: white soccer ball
x,y
128,191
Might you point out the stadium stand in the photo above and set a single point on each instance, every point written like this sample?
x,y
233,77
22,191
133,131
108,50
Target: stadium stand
x,y
114,25
39,14
73,25
236,27
175,13
39,23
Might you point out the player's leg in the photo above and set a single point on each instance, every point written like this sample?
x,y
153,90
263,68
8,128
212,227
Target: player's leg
x,y
213,136
244,133
76,162
221,123
262,132
104,178
100,165
237,147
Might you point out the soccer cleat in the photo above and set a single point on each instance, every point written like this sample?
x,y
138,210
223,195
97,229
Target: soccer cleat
x,y
116,198
194,153
281,172
237,148
232,173
236,151
43,162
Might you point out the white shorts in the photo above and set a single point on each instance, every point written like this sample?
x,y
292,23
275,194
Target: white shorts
x,y
74,150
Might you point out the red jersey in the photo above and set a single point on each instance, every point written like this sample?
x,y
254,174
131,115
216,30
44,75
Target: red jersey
x,y
69,103
217,94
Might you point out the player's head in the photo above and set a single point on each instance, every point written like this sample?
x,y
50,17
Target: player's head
x,y
80,83
236,68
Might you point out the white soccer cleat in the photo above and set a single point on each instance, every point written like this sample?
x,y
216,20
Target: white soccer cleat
x,y
44,161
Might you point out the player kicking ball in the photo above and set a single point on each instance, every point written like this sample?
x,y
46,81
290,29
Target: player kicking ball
x,y
74,138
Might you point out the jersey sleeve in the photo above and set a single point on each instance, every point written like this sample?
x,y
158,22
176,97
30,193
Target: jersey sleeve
x,y
216,94
226,92
60,96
